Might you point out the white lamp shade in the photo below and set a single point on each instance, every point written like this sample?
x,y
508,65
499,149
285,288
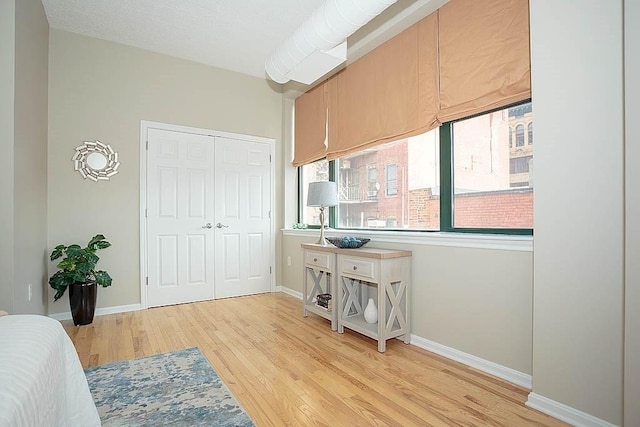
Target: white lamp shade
x,y
322,194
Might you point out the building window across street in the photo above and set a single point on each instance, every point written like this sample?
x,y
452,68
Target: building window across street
x,y
392,180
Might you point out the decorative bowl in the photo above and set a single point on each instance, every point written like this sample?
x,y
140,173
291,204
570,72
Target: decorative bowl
x,y
348,242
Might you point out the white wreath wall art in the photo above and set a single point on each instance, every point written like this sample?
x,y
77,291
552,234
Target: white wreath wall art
x,y
96,161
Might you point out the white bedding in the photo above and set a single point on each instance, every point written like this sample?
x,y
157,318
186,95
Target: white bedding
x,y
42,382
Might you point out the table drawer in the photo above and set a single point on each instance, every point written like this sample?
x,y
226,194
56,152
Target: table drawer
x,y
358,267
321,260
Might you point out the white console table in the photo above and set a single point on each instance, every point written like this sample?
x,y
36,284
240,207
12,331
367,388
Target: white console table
x,y
354,276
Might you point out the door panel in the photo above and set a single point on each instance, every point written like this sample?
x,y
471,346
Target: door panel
x,y
255,201
231,255
243,197
168,193
180,201
197,261
255,261
167,261
197,194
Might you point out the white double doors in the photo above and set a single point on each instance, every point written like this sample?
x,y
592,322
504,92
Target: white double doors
x,y
208,212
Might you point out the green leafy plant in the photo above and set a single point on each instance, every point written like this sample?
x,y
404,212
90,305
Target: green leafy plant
x,y
78,265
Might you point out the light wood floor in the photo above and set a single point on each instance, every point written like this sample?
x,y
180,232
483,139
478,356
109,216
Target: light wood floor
x,y
289,370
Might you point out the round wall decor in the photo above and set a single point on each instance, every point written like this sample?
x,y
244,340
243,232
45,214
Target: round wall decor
x,y
96,161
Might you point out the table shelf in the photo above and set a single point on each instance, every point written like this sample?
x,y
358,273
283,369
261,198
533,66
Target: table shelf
x,y
358,324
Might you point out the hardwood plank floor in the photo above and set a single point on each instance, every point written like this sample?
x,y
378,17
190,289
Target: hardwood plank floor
x,y
289,370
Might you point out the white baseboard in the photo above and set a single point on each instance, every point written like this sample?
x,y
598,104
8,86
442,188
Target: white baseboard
x,y
289,292
508,374
100,311
565,413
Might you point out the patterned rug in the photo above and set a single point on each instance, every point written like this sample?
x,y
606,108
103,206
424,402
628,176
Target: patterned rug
x,y
177,389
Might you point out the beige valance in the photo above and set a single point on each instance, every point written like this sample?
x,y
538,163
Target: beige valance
x,y
310,126
388,94
484,56
467,58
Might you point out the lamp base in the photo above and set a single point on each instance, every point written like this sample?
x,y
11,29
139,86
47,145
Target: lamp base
x,y
322,240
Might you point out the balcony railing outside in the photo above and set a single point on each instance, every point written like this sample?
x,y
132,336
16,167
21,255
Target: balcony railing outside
x,y
356,194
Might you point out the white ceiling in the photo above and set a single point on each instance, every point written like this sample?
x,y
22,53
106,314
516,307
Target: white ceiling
x,y
236,35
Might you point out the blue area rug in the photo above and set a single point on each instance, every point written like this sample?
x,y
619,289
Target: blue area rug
x,y
178,389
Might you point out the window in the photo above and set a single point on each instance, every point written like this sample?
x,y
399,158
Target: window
x,y
519,164
392,180
519,136
372,183
487,190
349,189
461,177
411,179
519,111
316,171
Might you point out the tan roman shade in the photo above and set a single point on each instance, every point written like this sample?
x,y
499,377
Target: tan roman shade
x,y
310,126
469,57
388,94
484,56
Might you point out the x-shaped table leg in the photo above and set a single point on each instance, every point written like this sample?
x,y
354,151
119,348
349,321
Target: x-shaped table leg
x,y
395,298
317,284
350,288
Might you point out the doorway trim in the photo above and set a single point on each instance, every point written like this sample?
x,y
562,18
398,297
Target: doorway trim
x,y
145,125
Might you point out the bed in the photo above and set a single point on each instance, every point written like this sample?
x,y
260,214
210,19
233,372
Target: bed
x,y
42,382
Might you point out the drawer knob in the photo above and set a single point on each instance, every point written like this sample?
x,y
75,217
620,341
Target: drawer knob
x,y
355,268
315,260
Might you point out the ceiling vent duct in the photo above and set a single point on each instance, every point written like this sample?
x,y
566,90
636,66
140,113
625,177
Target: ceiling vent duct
x,y
320,44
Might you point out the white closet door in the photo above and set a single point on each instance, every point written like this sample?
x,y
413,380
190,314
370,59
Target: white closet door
x,y
180,204
242,216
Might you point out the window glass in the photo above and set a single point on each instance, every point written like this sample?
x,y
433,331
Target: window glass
x,y
491,180
317,171
407,170
519,136
372,183
392,181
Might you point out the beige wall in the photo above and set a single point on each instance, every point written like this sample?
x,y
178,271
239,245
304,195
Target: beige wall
x,y
102,90
7,72
632,194
24,39
577,88
30,198
478,301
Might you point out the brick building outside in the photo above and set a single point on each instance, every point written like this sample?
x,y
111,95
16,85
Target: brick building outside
x,y
397,185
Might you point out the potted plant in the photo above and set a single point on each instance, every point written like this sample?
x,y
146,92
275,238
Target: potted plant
x,y
77,271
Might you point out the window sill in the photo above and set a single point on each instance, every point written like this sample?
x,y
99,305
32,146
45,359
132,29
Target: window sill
x,y
458,240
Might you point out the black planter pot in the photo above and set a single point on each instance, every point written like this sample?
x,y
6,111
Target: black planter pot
x,y
82,299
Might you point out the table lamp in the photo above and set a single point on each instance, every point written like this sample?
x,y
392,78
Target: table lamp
x,y
322,194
